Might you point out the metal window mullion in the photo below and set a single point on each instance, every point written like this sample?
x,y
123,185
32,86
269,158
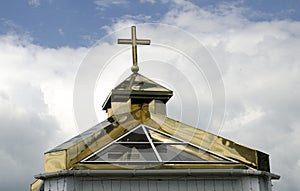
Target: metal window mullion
x,y
111,143
152,145
170,143
133,143
167,162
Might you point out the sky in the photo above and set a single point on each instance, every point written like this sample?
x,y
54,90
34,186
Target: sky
x,y
255,45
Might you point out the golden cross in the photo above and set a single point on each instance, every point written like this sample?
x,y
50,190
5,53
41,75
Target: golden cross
x,y
134,41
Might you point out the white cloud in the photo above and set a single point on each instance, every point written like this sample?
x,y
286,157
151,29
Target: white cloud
x,y
148,1
35,105
137,18
259,62
102,4
14,30
34,3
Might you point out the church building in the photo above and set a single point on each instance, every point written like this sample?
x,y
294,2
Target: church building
x,y
138,147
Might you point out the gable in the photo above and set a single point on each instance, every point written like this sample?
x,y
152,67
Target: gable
x,y
160,140
146,145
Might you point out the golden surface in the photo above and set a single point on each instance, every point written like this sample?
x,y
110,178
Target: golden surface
x,y
70,158
66,158
156,106
207,140
140,89
78,153
36,185
55,161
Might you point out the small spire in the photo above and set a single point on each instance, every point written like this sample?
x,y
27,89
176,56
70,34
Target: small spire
x,y
134,41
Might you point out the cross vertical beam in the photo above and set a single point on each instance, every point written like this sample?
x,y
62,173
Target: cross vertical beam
x,y
134,42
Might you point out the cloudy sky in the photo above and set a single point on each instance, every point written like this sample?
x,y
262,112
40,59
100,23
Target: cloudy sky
x,y
45,43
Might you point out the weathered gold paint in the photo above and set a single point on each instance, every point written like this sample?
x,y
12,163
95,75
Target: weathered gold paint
x,y
55,161
156,106
140,112
36,185
95,144
69,158
208,141
65,159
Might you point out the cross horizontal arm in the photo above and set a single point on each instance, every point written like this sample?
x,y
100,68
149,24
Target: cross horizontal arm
x,y
124,41
143,42
134,42
138,41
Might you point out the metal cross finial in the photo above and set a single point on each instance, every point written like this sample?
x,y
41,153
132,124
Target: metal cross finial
x,y
134,41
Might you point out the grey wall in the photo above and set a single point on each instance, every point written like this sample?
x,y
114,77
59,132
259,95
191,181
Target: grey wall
x,y
244,183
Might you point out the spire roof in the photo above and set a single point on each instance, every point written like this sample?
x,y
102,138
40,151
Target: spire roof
x,y
137,86
138,82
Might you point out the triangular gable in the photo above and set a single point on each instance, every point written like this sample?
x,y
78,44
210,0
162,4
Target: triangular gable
x,y
166,135
145,144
